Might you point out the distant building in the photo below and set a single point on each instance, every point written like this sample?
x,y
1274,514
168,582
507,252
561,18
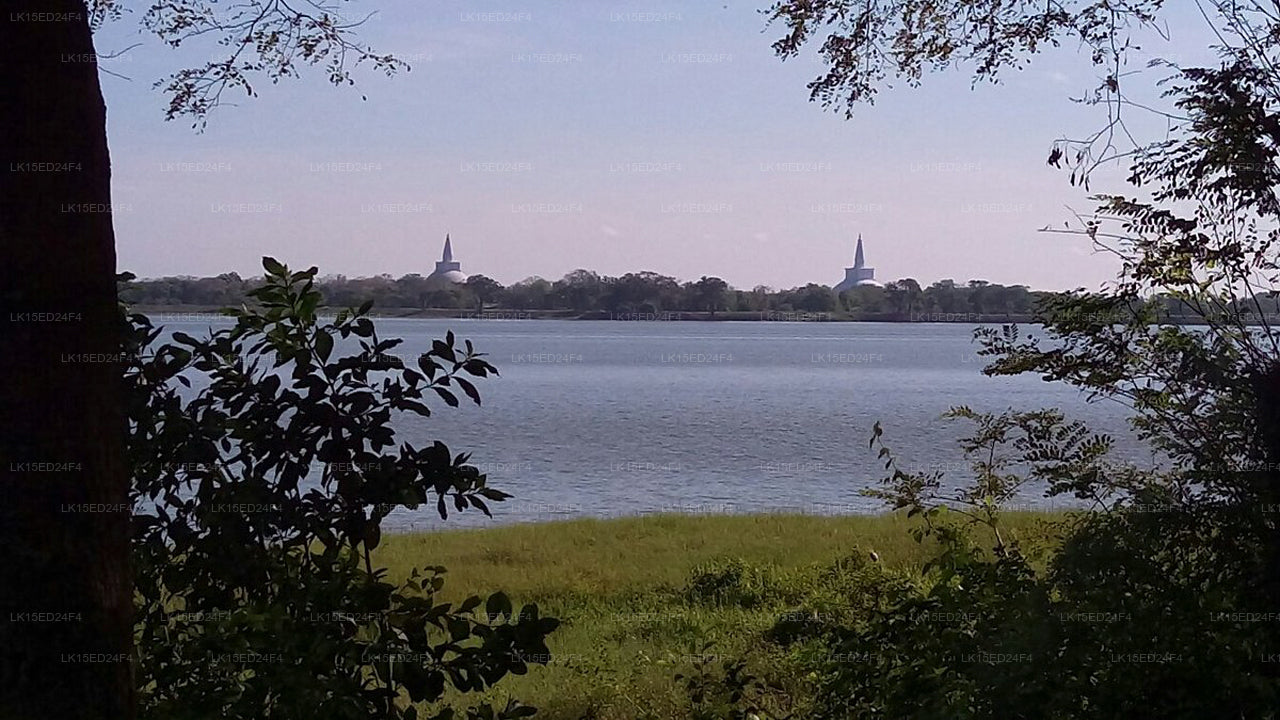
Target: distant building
x,y
859,274
447,269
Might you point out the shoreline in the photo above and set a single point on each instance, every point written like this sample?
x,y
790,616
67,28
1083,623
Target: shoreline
x,y
200,312
605,316
604,522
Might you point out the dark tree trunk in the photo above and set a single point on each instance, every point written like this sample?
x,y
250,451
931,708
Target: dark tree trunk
x,y
65,588
1262,487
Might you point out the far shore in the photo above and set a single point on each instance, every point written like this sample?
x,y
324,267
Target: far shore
x,y
195,312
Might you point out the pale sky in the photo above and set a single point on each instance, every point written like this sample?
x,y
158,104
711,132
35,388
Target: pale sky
x,y
618,138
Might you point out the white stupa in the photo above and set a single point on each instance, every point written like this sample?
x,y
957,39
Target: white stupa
x,y
447,269
859,274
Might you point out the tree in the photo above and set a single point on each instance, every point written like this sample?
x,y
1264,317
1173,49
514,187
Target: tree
x,y
911,294
942,296
709,293
978,296
865,298
634,291
903,296
60,346
1186,546
895,297
485,289
581,289
814,298
61,409
757,299
1017,299
868,45
532,293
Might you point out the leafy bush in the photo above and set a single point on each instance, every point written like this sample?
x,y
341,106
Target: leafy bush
x,y
725,689
1138,613
843,594
734,582
259,494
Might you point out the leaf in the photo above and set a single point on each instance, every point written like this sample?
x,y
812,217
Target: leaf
x,y
459,629
469,389
492,494
479,368
443,350
427,365
362,327
324,346
498,604
448,397
273,266
414,406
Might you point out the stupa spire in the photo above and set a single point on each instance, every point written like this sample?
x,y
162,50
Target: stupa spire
x,y
446,266
859,274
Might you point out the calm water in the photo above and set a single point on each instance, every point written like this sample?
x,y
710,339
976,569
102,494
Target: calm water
x,y
618,418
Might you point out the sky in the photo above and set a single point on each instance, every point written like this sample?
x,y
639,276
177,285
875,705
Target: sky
x,y
614,137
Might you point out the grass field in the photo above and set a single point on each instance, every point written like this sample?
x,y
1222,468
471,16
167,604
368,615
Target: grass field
x,y
620,587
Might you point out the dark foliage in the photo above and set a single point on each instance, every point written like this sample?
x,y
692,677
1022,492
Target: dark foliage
x,y
264,462
1163,601
583,291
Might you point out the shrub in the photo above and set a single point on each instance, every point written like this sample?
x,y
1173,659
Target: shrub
x,y
259,494
733,582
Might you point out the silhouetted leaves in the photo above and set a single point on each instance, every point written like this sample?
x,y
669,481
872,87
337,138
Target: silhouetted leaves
x,y
260,497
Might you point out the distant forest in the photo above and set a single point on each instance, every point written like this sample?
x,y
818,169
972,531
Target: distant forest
x,y
634,294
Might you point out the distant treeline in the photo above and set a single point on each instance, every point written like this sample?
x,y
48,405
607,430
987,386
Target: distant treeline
x,y
633,294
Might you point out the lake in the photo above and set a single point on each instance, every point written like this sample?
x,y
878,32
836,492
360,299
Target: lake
x,y
598,418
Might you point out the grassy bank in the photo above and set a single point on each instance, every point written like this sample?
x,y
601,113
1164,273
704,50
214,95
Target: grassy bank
x,y
625,591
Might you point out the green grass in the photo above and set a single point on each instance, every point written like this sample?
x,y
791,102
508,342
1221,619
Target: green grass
x,y
621,589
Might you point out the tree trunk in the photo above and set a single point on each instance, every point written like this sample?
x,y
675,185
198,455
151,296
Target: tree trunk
x,y
65,587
